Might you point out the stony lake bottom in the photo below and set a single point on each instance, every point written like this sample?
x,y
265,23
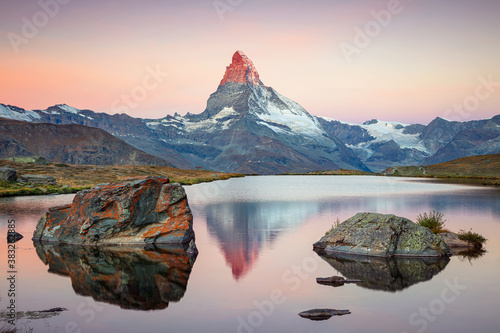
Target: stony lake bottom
x,y
256,269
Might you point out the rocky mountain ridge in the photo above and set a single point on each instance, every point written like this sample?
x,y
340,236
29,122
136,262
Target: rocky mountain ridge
x,y
248,127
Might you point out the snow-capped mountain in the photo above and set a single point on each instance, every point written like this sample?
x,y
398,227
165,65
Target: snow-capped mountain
x,y
249,127
381,144
15,113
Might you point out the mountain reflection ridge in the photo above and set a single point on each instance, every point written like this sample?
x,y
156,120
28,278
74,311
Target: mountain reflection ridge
x,y
243,228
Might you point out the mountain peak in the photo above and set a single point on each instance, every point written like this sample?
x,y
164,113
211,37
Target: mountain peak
x,y
67,108
241,70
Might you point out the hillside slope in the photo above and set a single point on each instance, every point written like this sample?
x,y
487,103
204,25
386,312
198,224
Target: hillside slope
x,y
483,166
75,144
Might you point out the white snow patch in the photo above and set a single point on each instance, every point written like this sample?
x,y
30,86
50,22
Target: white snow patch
x,y
293,116
68,108
340,121
388,130
213,123
84,116
6,112
226,112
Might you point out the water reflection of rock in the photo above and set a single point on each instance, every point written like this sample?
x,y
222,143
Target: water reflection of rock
x,y
131,277
387,274
242,228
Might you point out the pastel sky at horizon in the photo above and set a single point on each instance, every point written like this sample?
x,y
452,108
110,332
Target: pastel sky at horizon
x,y
418,64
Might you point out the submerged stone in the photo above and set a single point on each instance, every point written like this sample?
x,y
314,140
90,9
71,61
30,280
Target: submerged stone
x,y
335,281
322,314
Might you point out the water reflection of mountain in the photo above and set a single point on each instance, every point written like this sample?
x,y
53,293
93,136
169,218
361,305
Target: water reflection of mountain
x,y
243,228
131,277
387,274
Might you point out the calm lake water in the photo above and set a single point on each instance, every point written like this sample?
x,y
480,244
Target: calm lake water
x,y
256,269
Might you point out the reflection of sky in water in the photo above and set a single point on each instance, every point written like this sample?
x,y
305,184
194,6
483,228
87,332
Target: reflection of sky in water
x,y
246,214
264,228
316,188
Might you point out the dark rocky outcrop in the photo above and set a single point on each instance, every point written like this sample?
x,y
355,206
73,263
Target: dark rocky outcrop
x,y
474,138
372,234
349,134
322,314
131,277
136,210
9,174
386,274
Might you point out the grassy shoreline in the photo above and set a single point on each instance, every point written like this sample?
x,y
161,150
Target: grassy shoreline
x,y
478,170
473,168
341,172
74,178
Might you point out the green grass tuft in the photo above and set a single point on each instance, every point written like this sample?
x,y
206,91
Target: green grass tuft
x,y
434,221
472,238
335,225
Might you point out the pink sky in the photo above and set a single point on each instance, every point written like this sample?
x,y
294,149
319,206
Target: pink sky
x,y
419,63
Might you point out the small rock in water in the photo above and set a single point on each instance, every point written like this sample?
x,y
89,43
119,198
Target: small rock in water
x,y
335,281
452,240
322,314
13,237
54,310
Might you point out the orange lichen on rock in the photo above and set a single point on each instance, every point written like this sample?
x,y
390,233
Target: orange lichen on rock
x,y
135,210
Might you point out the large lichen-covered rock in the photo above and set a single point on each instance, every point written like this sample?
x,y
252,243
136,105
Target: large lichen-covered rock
x,y
135,210
373,234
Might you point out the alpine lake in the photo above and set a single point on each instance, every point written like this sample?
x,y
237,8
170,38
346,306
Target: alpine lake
x,y
256,268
